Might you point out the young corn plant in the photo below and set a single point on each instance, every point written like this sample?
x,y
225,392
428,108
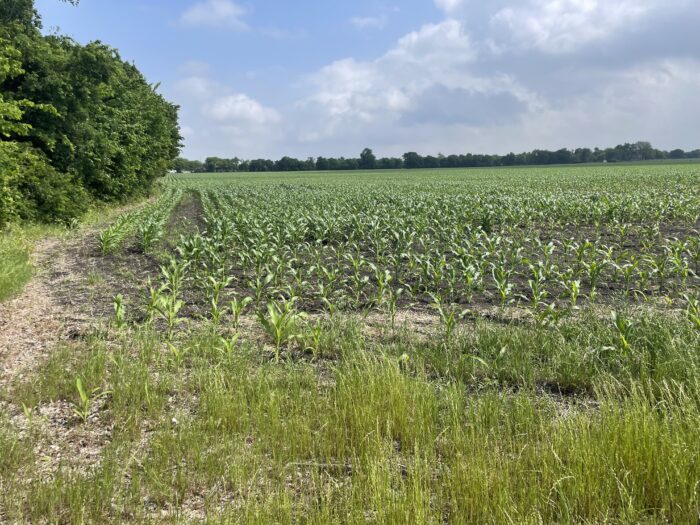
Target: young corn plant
x,y
392,304
572,289
679,263
538,292
659,265
313,339
629,271
109,239
472,279
229,345
213,288
259,285
86,400
148,235
450,315
693,310
623,326
237,307
383,280
550,315
693,251
330,306
119,311
169,308
28,413
281,322
594,269
178,354
501,276
154,299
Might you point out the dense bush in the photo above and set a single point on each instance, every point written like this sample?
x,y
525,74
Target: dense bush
x,y
35,190
77,123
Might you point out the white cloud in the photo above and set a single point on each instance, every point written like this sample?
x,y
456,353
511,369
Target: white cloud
x,y
221,121
651,101
369,22
215,13
242,110
555,26
442,43
449,5
435,60
560,26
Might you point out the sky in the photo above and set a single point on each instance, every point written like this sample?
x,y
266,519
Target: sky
x,y
312,78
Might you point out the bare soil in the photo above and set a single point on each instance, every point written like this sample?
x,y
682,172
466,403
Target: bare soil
x,y
72,292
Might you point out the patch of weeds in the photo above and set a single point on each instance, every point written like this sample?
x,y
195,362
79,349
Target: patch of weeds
x,y
95,278
15,266
56,378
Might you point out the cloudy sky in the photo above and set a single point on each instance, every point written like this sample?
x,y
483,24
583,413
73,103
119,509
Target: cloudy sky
x,y
318,77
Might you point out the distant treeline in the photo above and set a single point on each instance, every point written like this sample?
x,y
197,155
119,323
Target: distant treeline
x,y
638,151
78,125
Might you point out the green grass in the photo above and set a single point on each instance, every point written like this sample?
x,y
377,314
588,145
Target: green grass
x,y
15,265
390,428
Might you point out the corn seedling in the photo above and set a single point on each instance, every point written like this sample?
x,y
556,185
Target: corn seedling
x,y
313,341
281,323
87,399
450,315
693,311
109,240
119,311
178,354
169,308
237,307
623,326
28,413
229,345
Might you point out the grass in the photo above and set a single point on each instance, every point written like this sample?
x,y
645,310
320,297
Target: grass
x,y
390,428
15,265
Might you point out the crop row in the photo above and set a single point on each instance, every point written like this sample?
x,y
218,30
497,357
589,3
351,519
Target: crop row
x,y
147,224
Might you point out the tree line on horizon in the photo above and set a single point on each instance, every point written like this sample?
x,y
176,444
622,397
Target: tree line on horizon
x,y
78,125
630,152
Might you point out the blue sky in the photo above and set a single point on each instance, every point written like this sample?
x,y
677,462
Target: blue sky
x,y
310,78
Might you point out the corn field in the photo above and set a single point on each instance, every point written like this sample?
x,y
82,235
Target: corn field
x,y
493,244
470,346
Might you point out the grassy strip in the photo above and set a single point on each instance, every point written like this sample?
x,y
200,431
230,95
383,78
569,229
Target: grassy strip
x,y
15,265
388,428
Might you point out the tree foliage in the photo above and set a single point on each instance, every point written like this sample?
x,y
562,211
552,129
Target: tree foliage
x,y
77,123
639,151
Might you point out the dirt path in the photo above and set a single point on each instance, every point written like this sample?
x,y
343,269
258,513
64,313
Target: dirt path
x,y
32,323
70,292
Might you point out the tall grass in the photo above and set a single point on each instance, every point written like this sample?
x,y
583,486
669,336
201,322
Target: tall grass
x,y
15,267
388,430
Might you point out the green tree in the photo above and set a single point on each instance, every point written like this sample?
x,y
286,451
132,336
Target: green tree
x,y
412,160
367,160
74,121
